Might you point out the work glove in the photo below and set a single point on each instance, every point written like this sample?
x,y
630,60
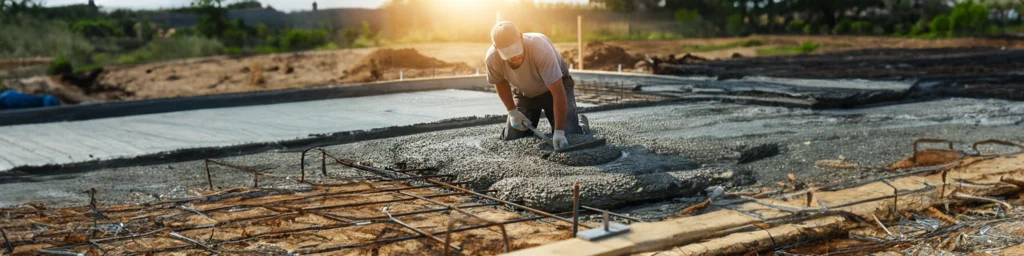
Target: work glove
x,y
517,119
558,139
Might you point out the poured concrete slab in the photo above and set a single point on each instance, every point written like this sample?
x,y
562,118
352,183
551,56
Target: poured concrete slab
x,y
815,93
69,142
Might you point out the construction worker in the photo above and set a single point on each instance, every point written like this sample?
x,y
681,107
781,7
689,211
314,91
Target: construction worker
x,y
530,76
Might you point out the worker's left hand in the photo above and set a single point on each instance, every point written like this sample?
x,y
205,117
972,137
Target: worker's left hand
x,y
558,139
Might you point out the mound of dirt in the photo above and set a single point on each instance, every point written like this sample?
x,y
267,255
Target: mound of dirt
x,y
602,56
372,66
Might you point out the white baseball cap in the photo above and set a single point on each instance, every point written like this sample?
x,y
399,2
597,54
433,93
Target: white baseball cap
x,y
507,39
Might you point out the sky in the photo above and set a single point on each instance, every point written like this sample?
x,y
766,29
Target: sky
x,y
283,5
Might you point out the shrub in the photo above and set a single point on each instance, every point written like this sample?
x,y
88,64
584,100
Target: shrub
x,y
60,65
97,28
300,39
919,28
173,48
808,29
823,29
235,50
861,27
968,18
691,23
842,27
265,49
901,29
327,47
27,36
795,26
735,26
939,25
808,47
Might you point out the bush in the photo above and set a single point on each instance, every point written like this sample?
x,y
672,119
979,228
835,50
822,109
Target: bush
x,y
97,28
823,29
691,23
27,36
60,65
300,39
327,47
939,25
234,50
808,29
901,29
861,27
173,48
843,27
919,28
968,19
735,26
795,26
808,47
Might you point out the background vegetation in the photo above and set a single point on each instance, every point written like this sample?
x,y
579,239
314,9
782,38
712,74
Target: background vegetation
x,y
85,37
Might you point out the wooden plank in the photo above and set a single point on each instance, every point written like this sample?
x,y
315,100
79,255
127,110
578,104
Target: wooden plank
x,y
648,236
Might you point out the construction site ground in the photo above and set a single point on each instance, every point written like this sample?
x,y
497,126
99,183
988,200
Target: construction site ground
x,y
233,74
736,160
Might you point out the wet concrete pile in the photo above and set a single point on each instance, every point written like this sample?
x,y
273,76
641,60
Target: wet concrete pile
x,y
610,175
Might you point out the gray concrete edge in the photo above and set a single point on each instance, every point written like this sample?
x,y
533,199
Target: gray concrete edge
x,y
291,145
129,108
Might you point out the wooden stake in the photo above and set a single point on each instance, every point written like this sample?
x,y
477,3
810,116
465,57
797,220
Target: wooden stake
x,y
579,39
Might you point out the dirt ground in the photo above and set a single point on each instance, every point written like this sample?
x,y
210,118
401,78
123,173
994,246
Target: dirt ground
x,y
235,74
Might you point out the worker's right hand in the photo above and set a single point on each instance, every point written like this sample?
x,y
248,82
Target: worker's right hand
x,y
517,119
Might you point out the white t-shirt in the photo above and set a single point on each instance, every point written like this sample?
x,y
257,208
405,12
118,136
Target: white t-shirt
x,y
543,66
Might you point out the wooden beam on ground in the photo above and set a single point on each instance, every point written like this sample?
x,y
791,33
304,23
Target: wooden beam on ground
x,y
648,236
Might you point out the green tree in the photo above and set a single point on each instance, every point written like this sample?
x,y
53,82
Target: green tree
x,y
968,19
245,4
795,26
939,26
206,3
691,23
261,31
735,26
861,27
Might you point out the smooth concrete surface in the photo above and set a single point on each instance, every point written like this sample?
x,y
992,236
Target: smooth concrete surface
x,y
155,106
69,142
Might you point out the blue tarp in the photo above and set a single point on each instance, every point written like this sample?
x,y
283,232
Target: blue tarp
x,y
11,99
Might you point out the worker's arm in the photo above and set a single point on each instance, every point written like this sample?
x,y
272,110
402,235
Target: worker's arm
x,y
515,118
561,106
505,93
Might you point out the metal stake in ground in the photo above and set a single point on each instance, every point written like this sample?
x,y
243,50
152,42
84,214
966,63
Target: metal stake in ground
x,y
7,243
575,209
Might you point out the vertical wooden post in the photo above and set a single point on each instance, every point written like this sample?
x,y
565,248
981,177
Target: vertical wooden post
x,y
579,39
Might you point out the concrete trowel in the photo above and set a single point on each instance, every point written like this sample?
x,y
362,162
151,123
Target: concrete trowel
x,y
584,145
